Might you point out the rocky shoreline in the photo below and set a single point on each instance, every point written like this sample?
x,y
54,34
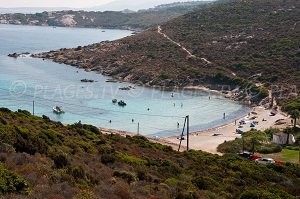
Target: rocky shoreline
x,y
236,94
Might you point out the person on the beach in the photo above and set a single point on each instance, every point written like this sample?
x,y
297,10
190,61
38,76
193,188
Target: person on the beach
x,y
109,121
178,125
234,122
132,120
172,95
209,97
224,116
181,104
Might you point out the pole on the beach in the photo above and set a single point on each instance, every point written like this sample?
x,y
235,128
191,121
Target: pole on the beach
x,y
187,132
33,107
138,128
182,133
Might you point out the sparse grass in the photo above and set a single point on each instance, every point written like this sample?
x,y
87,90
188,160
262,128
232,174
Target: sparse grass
x,y
290,155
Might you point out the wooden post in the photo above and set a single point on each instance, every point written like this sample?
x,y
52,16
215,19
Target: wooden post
x,y
187,132
33,107
182,133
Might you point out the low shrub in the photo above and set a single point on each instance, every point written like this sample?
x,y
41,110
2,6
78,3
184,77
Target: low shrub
x,y
129,177
60,161
10,182
108,159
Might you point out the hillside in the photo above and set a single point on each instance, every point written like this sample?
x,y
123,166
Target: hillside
x,y
44,159
231,43
108,19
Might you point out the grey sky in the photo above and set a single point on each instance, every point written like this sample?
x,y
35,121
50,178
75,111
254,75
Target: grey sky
x,y
52,3
112,4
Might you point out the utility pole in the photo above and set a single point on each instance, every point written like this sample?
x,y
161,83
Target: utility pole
x,y
33,107
187,132
182,134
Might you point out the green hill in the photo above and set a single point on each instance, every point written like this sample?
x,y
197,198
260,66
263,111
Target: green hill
x,y
44,159
231,43
108,19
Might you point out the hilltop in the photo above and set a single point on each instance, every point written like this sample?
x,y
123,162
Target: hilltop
x,y
126,19
45,159
237,43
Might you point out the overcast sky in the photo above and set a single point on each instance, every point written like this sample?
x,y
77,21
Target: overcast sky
x,y
52,3
78,3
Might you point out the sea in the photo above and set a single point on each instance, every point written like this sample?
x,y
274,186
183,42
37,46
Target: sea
x,y
38,85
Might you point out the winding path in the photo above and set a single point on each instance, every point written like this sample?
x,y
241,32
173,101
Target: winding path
x,y
159,30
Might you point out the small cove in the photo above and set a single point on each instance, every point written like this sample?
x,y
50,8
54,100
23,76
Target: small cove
x,y
50,84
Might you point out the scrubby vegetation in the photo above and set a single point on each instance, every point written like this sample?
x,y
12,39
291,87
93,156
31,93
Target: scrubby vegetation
x,y
246,43
254,141
45,159
10,182
260,142
108,19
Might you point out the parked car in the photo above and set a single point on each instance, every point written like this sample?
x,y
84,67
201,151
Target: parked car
x,y
246,154
265,160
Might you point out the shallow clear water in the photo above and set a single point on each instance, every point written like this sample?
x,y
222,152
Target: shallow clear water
x,y
49,84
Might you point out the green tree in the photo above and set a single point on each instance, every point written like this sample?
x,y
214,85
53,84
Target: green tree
x,y
295,114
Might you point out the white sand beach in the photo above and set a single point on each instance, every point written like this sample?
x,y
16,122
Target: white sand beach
x,y
208,140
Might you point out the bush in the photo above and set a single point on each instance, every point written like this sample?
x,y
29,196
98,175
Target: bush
x,y
270,148
51,137
28,143
60,161
130,159
276,167
27,113
165,75
129,177
10,182
5,110
255,194
81,176
205,183
108,159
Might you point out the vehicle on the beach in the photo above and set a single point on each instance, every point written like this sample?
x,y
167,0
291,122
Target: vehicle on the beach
x,y
239,131
265,160
242,122
58,110
246,154
273,113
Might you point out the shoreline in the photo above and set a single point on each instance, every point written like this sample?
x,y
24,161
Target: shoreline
x,y
209,139
215,136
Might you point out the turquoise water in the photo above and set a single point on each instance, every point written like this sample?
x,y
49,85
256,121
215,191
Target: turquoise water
x,y
25,80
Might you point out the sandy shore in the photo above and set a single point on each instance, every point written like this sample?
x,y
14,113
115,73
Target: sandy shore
x,y
208,140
